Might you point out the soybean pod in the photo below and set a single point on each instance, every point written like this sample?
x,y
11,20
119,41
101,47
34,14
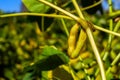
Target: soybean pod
x,y
80,43
72,38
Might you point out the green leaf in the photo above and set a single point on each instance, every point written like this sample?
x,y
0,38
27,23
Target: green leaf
x,y
9,74
44,75
28,76
50,51
109,76
50,58
36,6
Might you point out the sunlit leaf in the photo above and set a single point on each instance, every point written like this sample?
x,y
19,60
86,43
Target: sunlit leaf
x,y
36,6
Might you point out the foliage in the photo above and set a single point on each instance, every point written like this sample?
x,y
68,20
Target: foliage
x,y
28,51
49,59
35,6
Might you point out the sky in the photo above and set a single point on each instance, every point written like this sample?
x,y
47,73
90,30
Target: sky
x,y
10,5
14,5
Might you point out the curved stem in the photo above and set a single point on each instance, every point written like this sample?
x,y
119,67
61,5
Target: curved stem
x,y
57,16
107,31
91,6
91,39
35,14
96,53
89,33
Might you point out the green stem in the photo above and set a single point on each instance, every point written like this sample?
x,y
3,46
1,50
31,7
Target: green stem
x,y
84,24
114,14
117,26
91,6
56,16
78,9
107,49
113,63
72,73
107,31
88,77
80,20
91,39
42,25
35,14
65,27
99,61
